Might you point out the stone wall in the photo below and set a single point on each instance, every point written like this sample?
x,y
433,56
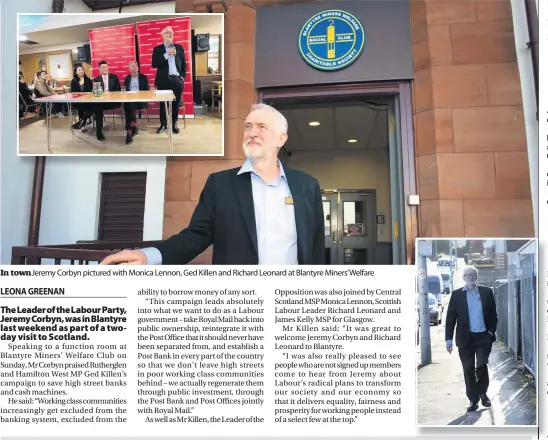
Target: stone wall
x,y
472,167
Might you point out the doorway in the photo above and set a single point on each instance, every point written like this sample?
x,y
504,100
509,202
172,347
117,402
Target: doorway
x,y
349,227
357,141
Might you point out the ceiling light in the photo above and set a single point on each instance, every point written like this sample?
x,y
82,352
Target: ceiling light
x,y
314,123
23,38
352,141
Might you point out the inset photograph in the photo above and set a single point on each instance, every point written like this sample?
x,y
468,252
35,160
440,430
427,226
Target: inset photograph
x,y
125,84
476,306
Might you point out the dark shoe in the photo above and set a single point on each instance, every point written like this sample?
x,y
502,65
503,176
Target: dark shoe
x,y
100,136
473,406
134,130
161,129
78,125
176,129
129,138
485,400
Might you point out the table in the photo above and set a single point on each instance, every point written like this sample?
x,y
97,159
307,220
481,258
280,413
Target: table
x,y
121,97
219,85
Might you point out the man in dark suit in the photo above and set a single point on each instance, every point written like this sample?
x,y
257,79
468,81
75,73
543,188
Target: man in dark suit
x,y
473,310
169,59
133,82
260,213
110,83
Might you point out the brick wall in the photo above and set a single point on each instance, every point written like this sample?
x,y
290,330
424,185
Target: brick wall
x,y
472,168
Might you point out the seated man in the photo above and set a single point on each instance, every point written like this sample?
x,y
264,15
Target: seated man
x,y
43,90
134,82
110,83
51,82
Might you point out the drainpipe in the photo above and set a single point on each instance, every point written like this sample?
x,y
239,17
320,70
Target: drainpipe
x,y
528,95
532,25
36,202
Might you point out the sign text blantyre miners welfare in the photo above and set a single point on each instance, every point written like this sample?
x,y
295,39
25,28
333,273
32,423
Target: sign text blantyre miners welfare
x,y
331,40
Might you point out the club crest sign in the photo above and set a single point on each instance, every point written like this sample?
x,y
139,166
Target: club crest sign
x,y
331,40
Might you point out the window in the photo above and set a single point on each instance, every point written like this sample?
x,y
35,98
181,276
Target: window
x,y
213,56
122,206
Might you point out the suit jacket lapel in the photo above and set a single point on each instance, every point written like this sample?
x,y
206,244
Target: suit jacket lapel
x,y
244,193
465,305
483,305
300,213
178,61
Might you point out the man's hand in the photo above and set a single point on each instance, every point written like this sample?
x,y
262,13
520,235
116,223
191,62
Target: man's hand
x,y
449,347
172,51
128,257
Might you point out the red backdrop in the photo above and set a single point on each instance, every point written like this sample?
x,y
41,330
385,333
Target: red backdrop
x,y
115,45
148,36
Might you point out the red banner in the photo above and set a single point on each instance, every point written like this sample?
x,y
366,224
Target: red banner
x,y
148,36
115,45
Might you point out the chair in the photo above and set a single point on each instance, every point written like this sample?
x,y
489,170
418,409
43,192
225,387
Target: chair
x,y
145,109
41,108
122,115
26,105
218,98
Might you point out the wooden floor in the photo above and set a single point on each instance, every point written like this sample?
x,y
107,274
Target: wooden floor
x,y
202,135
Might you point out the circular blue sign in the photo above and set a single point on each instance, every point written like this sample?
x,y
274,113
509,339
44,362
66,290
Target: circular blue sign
x,y
331,40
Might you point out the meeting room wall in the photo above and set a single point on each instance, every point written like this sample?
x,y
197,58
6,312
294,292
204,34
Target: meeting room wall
x,y
213,29
30,58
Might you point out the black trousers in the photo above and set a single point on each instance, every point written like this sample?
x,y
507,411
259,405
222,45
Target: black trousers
x,y
84,110
99,110
474,358
176,84
130,110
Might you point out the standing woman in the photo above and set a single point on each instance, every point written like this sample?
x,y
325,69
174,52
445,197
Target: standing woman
x,y
81,83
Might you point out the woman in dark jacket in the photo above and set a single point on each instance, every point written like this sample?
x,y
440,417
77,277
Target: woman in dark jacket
x,y
81,83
